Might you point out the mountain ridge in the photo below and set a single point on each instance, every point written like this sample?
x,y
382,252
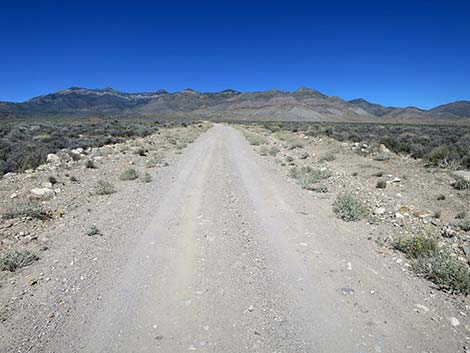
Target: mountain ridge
x,y
303,104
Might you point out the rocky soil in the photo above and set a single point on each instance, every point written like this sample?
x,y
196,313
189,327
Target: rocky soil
x,y
218,249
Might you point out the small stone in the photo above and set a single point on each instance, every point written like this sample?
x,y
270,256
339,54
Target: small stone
x,y
14,196
251,308
43,194
422,308
53,159
448,232
347,291
398,215
380,211
454,321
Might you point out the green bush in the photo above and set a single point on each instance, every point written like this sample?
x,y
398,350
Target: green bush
x,y
104,188
13,260
381,184
416,247
263,151
349,208
273,151
255,139
461,184
448,272
93,230
129,174
328,156
26,209
308,177
146,178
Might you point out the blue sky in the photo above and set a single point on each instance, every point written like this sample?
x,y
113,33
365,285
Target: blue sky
x,y
390,52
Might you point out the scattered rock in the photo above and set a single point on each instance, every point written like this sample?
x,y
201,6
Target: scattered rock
x,y
347,291
398,215
454,321
422,308
384,149
380,211
53,159
43,194
448,232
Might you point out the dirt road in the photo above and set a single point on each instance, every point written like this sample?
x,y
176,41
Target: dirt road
x,y
232,257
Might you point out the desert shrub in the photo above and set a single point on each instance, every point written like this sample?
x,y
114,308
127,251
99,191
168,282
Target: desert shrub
x,y
146,178
349,208
129,174
307,177
141,152
13,260
328,156
416,247
273,151
320,189
263,151
446,146
381,184
255,139
441,197
461,184
461,215
90,164
465,225
104,188
93,230
52,180
26,209
445,270
296,143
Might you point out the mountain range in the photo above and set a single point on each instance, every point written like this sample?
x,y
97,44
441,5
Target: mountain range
x,y
304,104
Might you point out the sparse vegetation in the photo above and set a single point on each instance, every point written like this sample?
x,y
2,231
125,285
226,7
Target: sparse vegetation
x,y
273,151
90,164
441,197
263,151
93,230
381,184
255,139
129,174
445,270
461,215
146,178
328,156
104,188
416,247
26,144
444,146
13,260
462,184
435,264
307,177
26,209
349,208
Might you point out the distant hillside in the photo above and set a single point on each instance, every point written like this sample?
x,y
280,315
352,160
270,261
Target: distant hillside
x,y
304,104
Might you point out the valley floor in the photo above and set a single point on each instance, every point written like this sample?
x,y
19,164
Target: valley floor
x,y
223,254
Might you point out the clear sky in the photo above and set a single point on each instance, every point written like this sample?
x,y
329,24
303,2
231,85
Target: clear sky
x,y
390,52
